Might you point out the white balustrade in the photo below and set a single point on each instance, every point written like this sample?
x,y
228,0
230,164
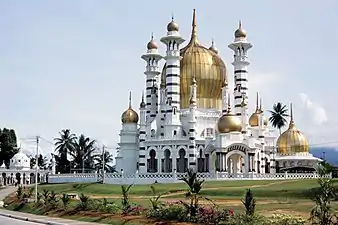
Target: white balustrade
x,y
150,178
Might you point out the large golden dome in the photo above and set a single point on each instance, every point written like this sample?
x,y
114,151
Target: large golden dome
x,y
129,116
208,69
292,140
229,122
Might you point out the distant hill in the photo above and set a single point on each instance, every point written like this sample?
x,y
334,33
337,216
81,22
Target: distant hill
x,y
331,154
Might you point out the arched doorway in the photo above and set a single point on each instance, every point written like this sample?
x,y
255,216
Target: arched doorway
x,y
152,162
167,162
182,161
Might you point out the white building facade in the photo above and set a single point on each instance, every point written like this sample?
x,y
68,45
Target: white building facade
x,y
190,117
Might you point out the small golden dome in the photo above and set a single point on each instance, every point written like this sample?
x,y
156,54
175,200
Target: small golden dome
x,y
152,44
172,26
292,140
208,69
129,116
254,118
240,32
229,122
213,47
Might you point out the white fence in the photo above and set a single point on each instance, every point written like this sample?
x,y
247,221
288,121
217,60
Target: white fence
x,y
149,178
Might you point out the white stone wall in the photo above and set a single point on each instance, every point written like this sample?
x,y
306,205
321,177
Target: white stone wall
x,y
150,178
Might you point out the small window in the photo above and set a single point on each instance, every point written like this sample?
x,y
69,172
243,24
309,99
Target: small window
x,y
175,132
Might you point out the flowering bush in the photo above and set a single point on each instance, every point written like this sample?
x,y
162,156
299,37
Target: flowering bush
x,y
136,210
213,215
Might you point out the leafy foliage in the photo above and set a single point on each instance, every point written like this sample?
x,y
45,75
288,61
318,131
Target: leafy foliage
x,y
84,202
249,203
65,200
155,199
125,198
278,114
108,158
322,213
8,145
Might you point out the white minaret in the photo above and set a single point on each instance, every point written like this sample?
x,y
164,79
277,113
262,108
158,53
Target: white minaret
x,y
241,62
152,57
244,114
172,40
225,94
192,125
142,161
127,158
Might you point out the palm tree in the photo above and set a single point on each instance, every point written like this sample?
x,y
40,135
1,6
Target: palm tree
x,y
278,114
108,158
83,148
64,146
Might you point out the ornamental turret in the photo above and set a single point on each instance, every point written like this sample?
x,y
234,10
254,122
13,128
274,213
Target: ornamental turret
x,y
240,46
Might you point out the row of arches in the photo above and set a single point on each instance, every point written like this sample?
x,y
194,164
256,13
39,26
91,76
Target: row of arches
x,y
20,178
180,164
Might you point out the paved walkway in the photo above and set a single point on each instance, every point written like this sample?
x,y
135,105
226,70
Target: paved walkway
x,y
16,218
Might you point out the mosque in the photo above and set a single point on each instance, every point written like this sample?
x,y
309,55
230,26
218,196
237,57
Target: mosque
x,y
189,116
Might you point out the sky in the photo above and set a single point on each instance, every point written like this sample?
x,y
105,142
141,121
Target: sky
x,y
71,64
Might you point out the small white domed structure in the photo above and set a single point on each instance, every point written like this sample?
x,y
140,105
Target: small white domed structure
x,y
20,161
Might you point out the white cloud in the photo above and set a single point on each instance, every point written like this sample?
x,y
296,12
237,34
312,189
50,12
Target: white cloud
x,y
317,112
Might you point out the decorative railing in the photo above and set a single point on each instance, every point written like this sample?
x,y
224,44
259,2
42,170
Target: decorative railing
x,y
149,178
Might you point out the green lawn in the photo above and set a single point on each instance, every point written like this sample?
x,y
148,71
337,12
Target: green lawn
x,y
217,189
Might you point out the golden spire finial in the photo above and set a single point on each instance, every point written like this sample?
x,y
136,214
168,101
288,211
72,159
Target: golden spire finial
x,y
172,17
260,105
193,79
257,102
129,99
142,96
292,122
194,30
240,24
152,36
229,106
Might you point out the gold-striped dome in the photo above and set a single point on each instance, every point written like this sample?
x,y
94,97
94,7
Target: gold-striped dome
x,y
292,140
240,32
129,116
208,69
229,122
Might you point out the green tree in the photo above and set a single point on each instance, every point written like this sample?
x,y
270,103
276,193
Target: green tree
x,y
42,162
108,159
8,145
84,147
322,213
65,144
278,114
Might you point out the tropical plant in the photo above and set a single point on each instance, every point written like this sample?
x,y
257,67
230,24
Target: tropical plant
x,y
64,146
125,198
249,203
52,199
193,193
155,199
45,195
84,202
19,193
82,154
42,162
278,115
65,199
322,213
108,158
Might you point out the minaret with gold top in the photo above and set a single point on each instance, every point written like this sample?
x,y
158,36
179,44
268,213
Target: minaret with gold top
x,y
152,58
240,46
192,125
142,137
128,155
172,40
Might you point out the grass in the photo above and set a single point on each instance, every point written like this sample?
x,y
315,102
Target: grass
x,y
290,197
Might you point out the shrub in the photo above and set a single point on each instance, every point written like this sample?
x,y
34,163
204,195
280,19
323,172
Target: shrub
x,y
286,220
169,212
213,215
155,200
249,203
19,193
125,198
65,200
84,201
